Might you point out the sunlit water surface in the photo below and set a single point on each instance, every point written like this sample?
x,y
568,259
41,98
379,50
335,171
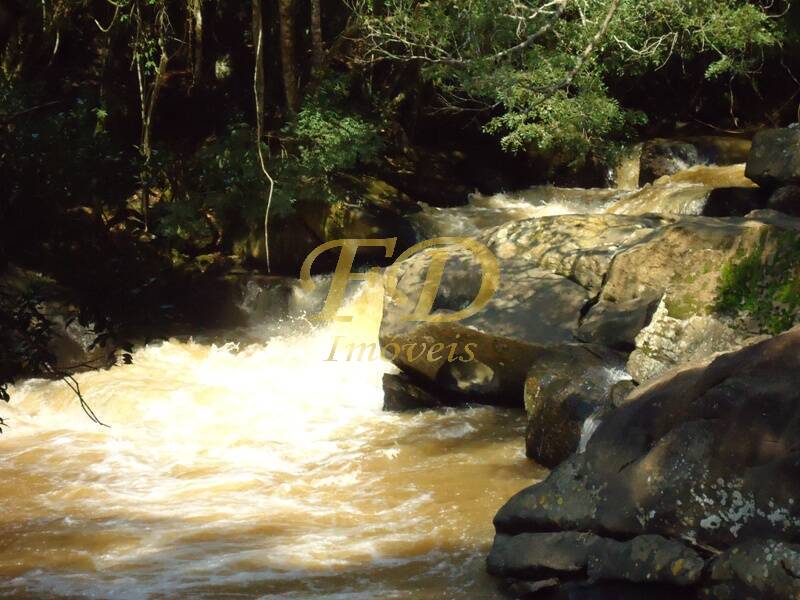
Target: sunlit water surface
x,y
254,471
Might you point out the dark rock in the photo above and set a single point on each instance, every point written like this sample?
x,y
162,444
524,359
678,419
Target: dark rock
x,y
611,590
774,159
75,345
706,453
400,395
562,390
786,199
734,202
562,502
665,157
756,569
647,558
616,324
538,556
621,390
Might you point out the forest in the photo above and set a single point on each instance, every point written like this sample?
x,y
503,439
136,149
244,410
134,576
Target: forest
x,y
595,204
147,143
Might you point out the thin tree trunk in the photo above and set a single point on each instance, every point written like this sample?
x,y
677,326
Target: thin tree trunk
x,y
258,94
196,19
148,108
317,49
290,81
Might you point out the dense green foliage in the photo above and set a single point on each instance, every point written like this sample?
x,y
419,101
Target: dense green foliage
x,y
546,71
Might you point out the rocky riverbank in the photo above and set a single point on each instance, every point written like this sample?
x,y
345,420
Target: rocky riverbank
x,y
652,317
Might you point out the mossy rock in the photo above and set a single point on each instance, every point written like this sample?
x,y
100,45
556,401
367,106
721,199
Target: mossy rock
x,y
764,283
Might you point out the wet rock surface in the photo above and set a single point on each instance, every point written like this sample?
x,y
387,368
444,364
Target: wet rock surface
x,y
664,157
562,390
400,394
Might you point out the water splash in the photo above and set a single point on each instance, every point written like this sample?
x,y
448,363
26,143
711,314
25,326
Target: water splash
x,y
250,469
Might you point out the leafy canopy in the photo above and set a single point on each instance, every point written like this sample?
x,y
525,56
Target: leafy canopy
x,y
543,69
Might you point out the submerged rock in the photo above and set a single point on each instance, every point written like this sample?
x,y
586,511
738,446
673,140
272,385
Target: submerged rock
x,y
401,395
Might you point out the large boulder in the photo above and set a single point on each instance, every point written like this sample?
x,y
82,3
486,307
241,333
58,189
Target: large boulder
x,y
684,258
485,356
689,264
705,456
774,159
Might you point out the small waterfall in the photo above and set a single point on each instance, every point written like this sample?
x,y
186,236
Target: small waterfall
x,y
684,193
590,425
484,212
609,376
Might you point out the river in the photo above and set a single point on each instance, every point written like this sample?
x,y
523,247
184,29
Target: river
x,y
248,466
254,470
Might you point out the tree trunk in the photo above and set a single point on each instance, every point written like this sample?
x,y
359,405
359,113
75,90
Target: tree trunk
x,y
258,93
290,81
196,21
317,49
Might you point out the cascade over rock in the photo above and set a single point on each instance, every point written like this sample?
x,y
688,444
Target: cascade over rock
x,y
576,294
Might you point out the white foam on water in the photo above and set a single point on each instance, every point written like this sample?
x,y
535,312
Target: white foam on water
x,y
246,469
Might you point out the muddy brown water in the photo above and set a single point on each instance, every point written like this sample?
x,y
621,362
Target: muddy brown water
x,y
255,471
